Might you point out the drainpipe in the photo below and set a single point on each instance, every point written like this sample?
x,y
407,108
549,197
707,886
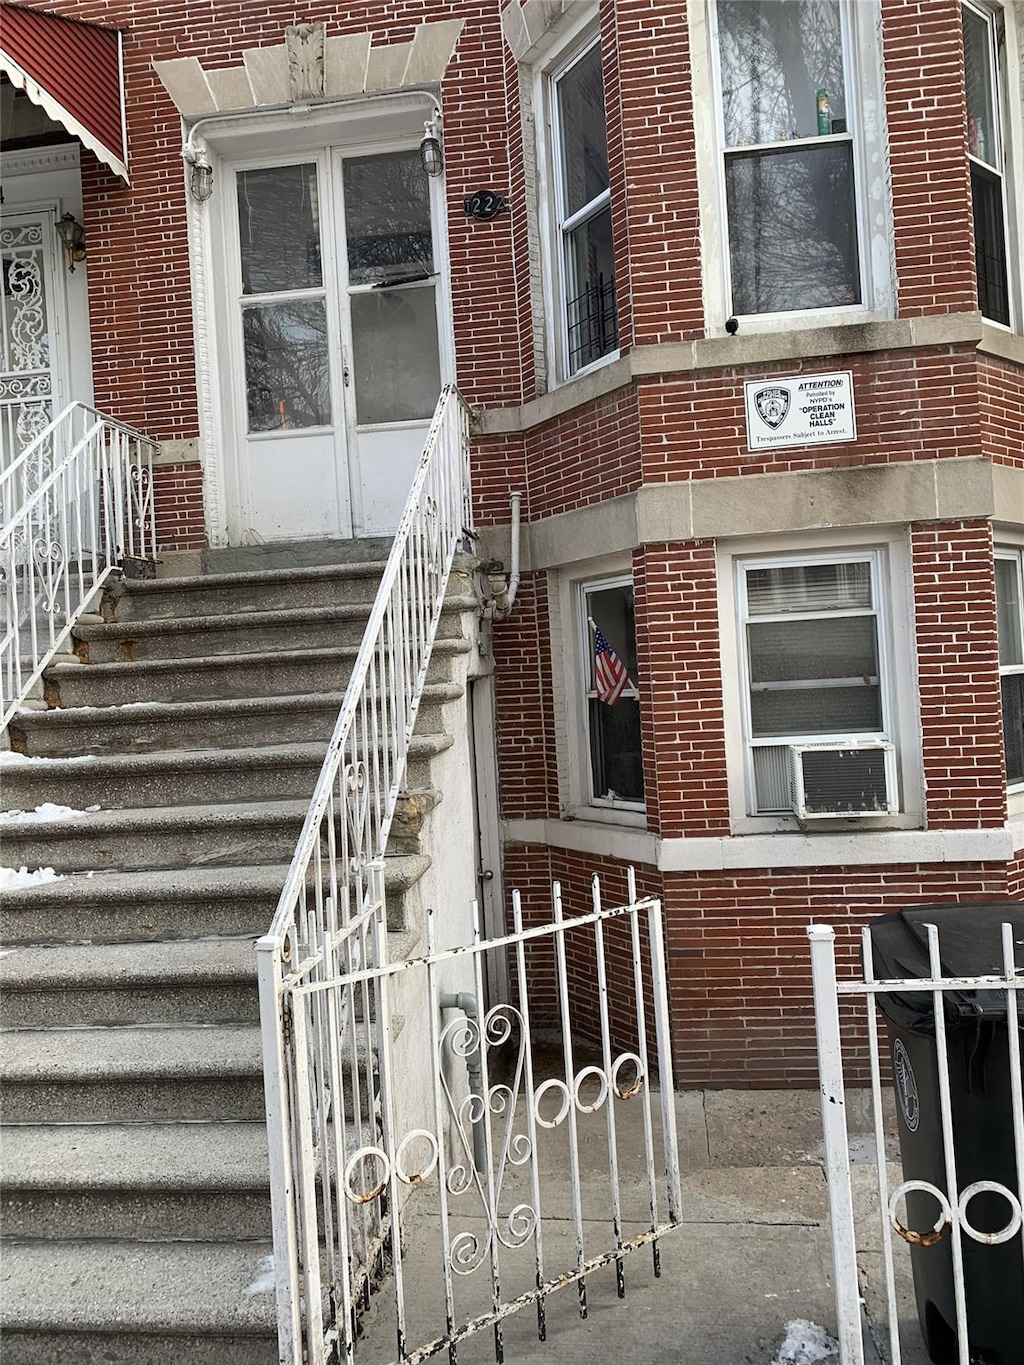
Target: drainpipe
x,y
466,1002
503,595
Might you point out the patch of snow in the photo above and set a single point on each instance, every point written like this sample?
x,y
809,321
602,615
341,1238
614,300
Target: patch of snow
x,y
13,879
8,756
265,1282
807,1344
47,811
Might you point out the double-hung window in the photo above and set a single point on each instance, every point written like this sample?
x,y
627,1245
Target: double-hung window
x,y
817,695
583,217
789,131
1010,609
986,152
612,731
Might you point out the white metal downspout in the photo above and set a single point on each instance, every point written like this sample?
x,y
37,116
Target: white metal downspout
x,y
503,594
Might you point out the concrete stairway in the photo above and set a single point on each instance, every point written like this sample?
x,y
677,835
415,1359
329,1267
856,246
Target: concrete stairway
x,y
136,1207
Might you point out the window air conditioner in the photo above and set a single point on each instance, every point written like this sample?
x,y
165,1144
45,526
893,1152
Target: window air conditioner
x,y
844,779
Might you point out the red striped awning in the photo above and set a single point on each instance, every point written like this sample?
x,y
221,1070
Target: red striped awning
x,y
73,71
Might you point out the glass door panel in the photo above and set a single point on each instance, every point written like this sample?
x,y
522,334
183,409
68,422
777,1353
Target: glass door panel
x,y
392,326
394,348
279,229
387,219
294,477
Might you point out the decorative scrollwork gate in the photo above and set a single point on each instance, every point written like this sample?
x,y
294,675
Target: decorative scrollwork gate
x,y
446,1153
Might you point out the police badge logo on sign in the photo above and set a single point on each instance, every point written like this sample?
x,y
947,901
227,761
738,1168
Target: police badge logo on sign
x,y
772,405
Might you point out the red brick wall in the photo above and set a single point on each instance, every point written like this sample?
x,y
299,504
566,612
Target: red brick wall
x,y
525,730
911,405
1001,397
931,193
659,151
588,455
958,674
680,680
738,956
178,505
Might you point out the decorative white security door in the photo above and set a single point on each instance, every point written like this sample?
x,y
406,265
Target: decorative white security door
x,y
29,387
335,334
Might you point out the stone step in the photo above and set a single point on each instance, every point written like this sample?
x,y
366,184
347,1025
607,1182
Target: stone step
x,y
177,981
132,1074
180,776
251,590
179,902
263,674
295,554
236,833
185,981
144,1182
195,637
138,1303
237,722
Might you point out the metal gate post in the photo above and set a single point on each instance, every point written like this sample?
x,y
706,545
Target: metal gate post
x,y
837,1151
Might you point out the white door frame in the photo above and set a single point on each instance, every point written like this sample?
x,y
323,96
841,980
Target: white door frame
x,y
237,142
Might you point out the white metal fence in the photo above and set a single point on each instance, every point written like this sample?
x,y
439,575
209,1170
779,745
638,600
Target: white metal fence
x,y
452,1186
321,1038
962,1149
74,504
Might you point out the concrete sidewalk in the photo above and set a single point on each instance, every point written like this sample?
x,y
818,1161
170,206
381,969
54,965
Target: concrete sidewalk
x,y
751,1255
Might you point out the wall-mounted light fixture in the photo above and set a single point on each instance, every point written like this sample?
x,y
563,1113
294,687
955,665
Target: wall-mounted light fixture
x,y
72,236
431,155
200,173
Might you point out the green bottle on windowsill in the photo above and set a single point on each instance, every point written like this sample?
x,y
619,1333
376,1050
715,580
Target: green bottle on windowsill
x,y
824,113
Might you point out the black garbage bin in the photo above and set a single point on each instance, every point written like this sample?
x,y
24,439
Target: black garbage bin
x,y
982,1116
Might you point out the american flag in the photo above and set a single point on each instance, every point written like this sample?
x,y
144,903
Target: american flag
x,y
609,669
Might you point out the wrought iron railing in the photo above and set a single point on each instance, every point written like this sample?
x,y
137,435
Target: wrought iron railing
x,y
322,1086
74,504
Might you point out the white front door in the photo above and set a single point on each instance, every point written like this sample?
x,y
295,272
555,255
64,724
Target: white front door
x,y
30,390
336,336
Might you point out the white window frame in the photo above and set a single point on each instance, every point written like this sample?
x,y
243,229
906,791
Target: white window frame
x,y
892,597
865,109
572,645
574,45
1003,55
1014,554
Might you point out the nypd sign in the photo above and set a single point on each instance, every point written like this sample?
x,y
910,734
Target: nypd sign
x,y
809,409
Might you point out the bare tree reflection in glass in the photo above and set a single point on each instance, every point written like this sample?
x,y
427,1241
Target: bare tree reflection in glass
x,y
286,365
793,229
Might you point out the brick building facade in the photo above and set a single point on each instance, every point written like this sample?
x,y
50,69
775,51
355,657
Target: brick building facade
x,y
706,203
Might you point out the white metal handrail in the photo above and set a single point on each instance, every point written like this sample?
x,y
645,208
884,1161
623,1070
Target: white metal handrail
x,y
331,917
74,503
